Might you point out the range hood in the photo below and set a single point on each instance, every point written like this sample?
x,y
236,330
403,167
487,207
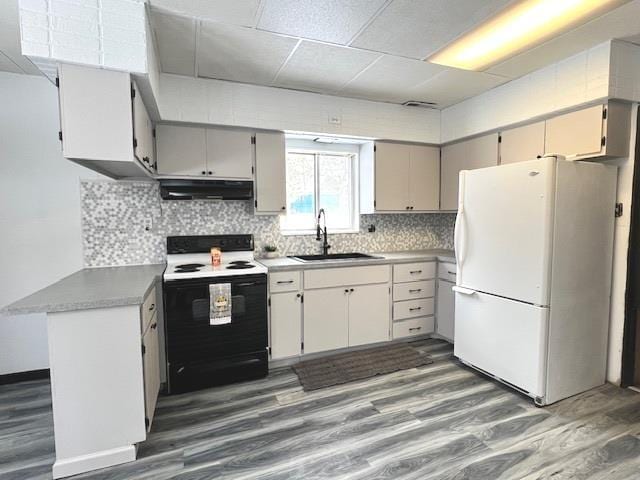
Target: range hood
x,y
206,190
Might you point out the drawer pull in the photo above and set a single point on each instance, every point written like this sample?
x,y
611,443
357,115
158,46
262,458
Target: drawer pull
x,y
153,305
451,273
284,281
415,290
415,271
415,308
415,329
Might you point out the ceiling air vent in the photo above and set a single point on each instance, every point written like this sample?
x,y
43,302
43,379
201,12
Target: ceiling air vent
x,y
418,103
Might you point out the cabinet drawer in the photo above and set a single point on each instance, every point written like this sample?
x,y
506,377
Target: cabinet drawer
x,y
336,277
412,290
413,308
409,272
414,326
284,282
447,271
148,309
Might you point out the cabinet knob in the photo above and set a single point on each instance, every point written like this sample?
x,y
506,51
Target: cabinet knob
x,y
145,159
411,208
204,173
283,208
210,172
346,290
351,289
298,295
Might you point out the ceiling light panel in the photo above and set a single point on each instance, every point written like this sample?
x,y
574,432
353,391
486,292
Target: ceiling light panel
x,y
525,24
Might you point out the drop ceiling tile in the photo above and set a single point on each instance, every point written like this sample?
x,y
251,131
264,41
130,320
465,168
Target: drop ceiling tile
x,y
453,85
389,79
176,39
235,12
335,21
321,67
619,23
10,39
241,54
418,28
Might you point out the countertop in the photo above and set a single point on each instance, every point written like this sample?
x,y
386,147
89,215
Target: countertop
x,y
91,288
287,264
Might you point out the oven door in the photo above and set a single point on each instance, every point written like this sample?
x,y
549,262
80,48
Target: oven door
x,y
190,337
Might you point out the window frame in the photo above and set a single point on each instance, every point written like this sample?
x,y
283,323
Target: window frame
x,y
355,190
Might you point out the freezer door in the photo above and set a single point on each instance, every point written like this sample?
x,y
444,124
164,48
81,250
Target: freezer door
x,y
502,337
504,229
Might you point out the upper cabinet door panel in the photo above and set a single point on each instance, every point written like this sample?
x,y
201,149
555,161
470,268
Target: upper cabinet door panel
x,y
181,150
576,133
522,143
271,190
229,153
478,152
143,132
424,177
392,176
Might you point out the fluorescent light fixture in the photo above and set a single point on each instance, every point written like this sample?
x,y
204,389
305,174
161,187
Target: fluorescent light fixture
x,y
520,26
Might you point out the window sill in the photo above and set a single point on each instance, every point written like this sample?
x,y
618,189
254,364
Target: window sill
x,y
289,233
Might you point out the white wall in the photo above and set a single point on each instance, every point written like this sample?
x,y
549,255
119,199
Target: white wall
x,y
40,232
186,99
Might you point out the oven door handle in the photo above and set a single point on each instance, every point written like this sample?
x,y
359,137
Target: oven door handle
x,y
248,284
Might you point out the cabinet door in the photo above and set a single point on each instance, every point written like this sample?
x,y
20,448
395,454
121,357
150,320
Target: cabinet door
x,y
286,324
142,131
467,155
522,143
424,178
151,362
229,153
369,314
391,177
271,193
326,322
575,133
445,310
181,150
95,113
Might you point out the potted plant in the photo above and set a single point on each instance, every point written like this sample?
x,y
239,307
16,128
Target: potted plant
x,y
270,251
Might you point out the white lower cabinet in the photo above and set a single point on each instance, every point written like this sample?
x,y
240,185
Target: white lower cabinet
x,y
368,314
326,319
286,324
151,369
445,309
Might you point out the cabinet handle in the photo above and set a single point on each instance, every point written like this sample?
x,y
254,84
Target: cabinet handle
x,y
415,290
284,281
451,273
154,326
415,328
153,305
415,308
415,271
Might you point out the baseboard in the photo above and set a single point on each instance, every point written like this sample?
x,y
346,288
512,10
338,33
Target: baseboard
x,y
94,461
24,376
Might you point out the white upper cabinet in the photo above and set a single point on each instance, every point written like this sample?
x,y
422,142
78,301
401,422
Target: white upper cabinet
x,y
270,185
478,152
406,178
97,126
601,130
229,153
182,151
522,143
392,164
424,178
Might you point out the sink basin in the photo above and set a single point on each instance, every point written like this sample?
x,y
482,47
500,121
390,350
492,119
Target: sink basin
x,y
331,256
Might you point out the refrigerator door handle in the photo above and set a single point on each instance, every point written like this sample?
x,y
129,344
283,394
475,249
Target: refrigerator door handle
x,y
459,233
464,291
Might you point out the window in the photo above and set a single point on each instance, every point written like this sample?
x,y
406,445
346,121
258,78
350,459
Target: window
x,y
318,180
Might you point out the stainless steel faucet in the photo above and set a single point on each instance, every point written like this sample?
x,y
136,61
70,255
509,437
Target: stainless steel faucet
x,y
325,245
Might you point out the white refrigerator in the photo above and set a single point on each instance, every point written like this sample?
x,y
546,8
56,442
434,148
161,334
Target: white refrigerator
x,y
534,244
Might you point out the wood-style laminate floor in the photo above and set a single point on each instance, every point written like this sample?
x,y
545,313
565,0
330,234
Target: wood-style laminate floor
x,y
440,421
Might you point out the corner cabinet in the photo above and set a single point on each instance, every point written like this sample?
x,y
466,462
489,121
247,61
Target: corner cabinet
x,y
270,187
470,154
400,177
104,123
598,131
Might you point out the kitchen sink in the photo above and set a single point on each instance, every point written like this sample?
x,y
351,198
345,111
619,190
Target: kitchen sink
x,y
332,256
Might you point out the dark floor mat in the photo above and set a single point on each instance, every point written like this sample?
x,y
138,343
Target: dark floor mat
x,y
350,366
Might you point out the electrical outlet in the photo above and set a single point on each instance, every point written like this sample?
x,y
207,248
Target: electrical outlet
x,y
148,223
335,119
